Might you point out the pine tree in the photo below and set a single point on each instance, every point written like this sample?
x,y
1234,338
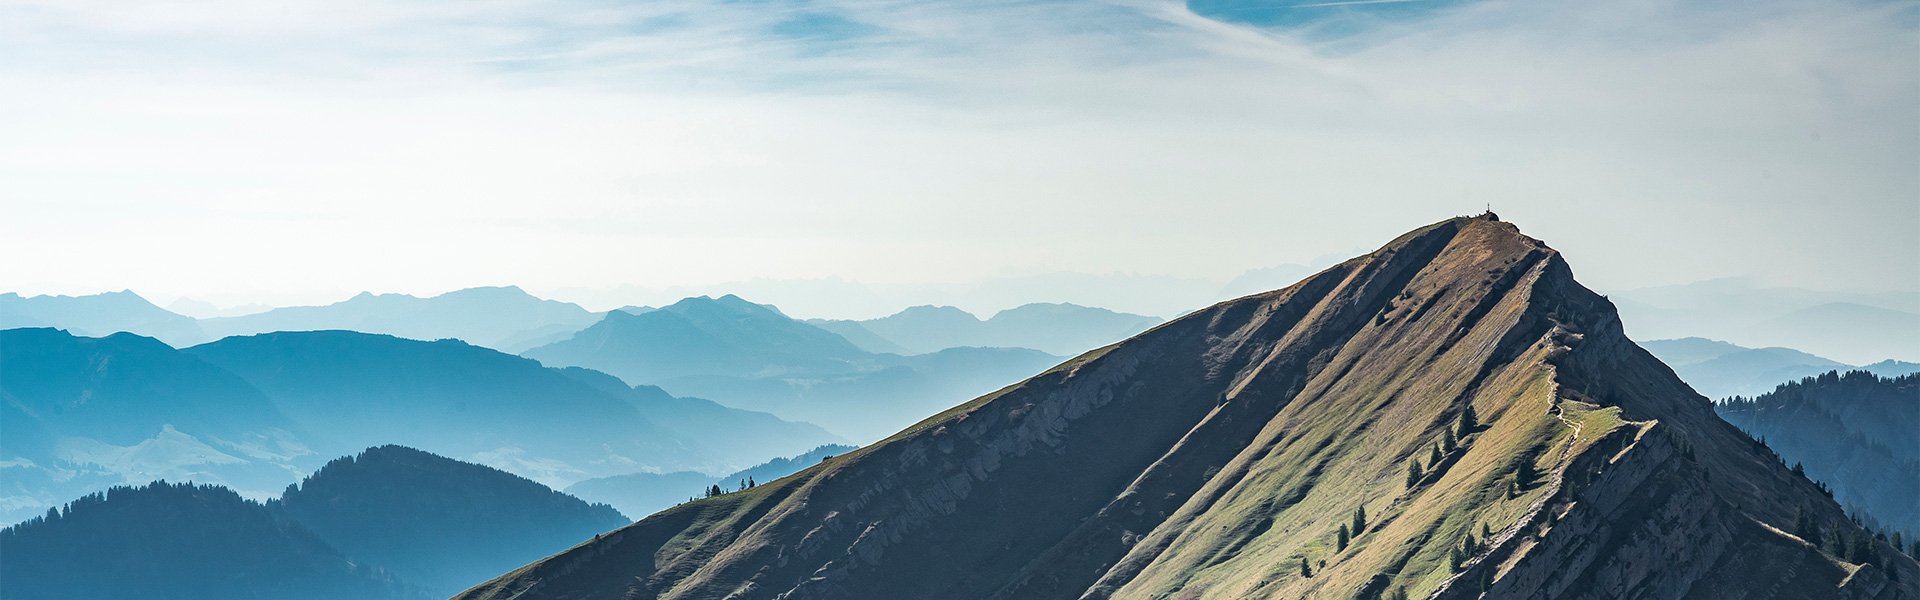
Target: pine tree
x,y
1804,527
1413,474
1897,543
1340,539
1397,594
1468,421
1359,520
1454,560
1448,442
1305,571
1526,474
1435,456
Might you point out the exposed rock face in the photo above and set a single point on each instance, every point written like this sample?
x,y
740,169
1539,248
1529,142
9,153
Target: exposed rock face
x,y
1219,455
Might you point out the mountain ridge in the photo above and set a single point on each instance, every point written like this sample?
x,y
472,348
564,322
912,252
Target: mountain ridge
x,y
1214,455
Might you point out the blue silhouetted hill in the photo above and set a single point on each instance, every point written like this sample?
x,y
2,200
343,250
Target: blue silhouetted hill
x,y
495,317
358,390
99,315
702,336
751,356
1853,431
166,541
121,388
437,522
1719,369
1061,329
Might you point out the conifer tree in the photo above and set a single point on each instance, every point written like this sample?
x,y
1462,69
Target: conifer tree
x,y
1340,539
1468,421
1359,520
1305,571
1434,457
1447,441
1413,474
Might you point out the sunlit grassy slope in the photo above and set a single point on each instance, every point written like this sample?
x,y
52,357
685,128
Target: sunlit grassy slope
x,y
1210,456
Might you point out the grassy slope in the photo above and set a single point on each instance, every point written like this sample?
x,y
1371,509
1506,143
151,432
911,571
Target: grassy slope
x,y
1206,457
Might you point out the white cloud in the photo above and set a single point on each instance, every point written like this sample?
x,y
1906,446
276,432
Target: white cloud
x,y
307,150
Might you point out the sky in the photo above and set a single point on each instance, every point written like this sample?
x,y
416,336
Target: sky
x,y
300,151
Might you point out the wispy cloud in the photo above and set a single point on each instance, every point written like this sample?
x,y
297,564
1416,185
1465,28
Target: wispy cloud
x,y
1352,3
417,146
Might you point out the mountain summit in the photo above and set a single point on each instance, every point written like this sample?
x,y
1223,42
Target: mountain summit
x,y
1449,416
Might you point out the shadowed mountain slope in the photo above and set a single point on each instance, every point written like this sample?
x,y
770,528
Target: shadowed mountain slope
x,y
1854,431
179,542
435,522
1219,456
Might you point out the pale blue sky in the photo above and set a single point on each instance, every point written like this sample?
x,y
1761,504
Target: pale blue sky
x,y
289,151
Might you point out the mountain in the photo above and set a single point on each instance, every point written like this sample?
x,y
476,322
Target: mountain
x,y
643,494
201,309
1848,326
1053,328
100,315
255,413
182,541
81,414
354,390
1848,330
435,522
1891,368
1853,431
1219,456
702,336
1719,369
753,357
505,318
390,522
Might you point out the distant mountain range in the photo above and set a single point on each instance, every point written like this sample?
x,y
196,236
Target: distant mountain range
x,y
641,494
1855,431
1850,327
752,356
1060,329
390,523
1720,369
100,315
254,412
504,318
